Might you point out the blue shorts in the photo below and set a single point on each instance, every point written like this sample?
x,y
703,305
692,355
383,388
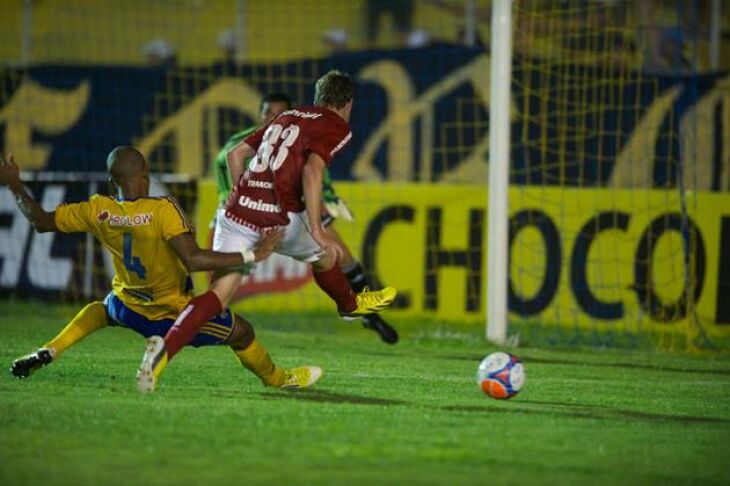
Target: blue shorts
x,y
215,331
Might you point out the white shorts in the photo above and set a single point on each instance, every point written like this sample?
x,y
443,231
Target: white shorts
x,y
231,237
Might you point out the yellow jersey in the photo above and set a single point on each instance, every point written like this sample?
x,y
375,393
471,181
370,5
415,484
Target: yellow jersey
x,y
148,275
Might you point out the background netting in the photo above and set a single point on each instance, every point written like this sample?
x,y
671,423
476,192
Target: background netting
x,y
611,142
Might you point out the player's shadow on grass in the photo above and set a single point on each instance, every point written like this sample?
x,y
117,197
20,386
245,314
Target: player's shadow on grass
x,y
594,412
329,397
528,360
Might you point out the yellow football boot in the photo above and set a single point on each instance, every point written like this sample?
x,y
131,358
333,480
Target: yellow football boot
x,y
369,302
299,378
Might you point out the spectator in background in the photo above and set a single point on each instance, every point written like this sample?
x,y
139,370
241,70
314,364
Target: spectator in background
x,y
228,45
664,31
671,50
418,38
482,16
335,40
663,50
160,52
401,12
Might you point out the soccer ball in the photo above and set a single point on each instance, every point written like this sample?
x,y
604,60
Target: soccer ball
x,y
501,375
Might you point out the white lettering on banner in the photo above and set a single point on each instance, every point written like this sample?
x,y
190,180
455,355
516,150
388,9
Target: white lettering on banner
x,y
260,184
45,271
259,205
13,240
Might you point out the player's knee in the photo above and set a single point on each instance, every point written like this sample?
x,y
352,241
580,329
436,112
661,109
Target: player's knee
x,y
224,285
325,263
242,335
96,310
346,260
97,306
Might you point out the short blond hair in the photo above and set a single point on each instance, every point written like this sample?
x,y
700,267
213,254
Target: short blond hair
x,y
334,89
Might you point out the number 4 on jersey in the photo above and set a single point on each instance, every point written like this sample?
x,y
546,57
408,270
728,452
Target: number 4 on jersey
x,y
132,263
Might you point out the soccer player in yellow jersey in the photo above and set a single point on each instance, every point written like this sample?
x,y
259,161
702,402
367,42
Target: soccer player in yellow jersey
x,y
153,249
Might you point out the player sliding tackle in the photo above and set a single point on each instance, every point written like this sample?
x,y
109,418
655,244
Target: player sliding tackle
x,y
281,187
153,248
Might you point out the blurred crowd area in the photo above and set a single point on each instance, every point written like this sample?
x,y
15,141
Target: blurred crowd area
x,y
657,35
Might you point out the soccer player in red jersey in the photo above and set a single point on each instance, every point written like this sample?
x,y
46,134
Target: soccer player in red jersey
x,y
273,105
280,188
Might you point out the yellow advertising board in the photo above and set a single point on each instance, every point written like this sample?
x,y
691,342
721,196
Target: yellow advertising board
x,y
612,259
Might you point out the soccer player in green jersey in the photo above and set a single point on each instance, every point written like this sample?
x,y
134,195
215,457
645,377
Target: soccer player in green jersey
x,y
272,105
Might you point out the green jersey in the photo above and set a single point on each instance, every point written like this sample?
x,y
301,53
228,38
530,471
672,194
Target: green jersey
x,y
220,165
328,192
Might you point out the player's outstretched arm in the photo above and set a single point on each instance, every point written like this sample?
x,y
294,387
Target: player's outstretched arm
x,y
235,158
197,259
41,219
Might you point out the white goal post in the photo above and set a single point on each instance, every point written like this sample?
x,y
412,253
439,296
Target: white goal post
x,y
499,153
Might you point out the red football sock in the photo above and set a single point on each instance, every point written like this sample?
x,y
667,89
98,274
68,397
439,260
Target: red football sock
x,y
198,311
335,284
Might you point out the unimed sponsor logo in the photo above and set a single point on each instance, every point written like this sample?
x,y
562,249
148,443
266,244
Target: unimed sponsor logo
x,y
259,205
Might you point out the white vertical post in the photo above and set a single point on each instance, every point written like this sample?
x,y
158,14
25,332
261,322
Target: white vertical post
x,y
499,152
715,34
240,31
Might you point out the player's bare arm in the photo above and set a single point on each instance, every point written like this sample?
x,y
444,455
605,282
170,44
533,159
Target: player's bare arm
x,y
42,220
197,259
312,175
235,159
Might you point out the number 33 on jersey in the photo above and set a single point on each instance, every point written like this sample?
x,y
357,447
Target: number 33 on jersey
x,y
274,148
272,186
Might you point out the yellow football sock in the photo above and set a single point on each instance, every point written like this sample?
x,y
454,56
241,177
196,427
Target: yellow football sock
x,y
88,320
257,360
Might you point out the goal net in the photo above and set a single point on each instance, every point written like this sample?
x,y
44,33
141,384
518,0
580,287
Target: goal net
x,y
615,140
176,78
605,241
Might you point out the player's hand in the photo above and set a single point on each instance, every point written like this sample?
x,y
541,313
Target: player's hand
x,y
337,208
329,245
9,171
268,244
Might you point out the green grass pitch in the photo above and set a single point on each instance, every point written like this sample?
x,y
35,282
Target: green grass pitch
x,y
406,414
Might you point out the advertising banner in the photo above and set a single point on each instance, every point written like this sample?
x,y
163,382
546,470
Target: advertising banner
x,y
585,257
